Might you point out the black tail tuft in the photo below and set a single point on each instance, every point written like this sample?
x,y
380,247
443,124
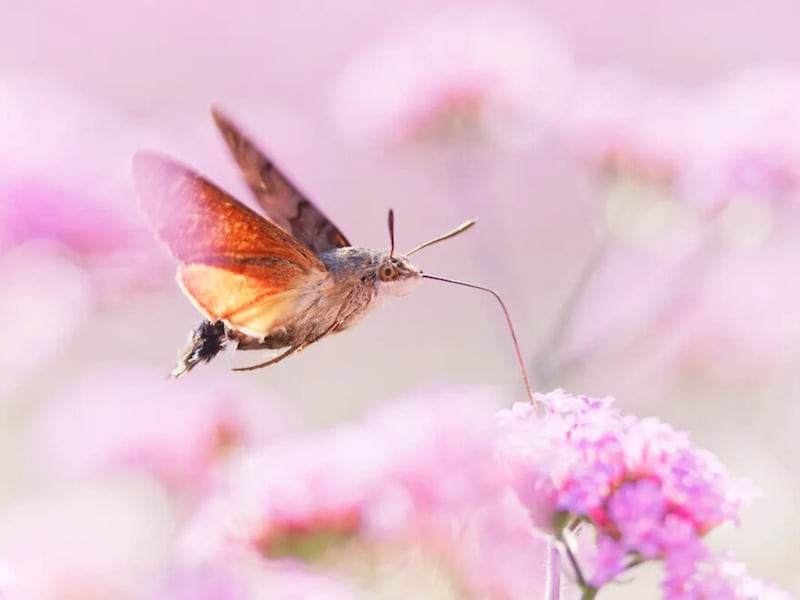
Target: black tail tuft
x,y
205,343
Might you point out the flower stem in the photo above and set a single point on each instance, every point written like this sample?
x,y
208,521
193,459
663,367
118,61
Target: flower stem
x,y
553,570
576,568
544,367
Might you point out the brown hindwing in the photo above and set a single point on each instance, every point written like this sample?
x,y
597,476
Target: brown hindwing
x,y
282,201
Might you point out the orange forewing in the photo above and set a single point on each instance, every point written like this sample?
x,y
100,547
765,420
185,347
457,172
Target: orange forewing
x,y
238,266
201,223
247,297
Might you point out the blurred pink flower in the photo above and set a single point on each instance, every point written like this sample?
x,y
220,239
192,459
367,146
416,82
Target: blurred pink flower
x,y
133,419
491,70
35,209
709,146
376,477
94,541
497,552
619,124
290,490
65,177
746,140
635,480
418,471
701,574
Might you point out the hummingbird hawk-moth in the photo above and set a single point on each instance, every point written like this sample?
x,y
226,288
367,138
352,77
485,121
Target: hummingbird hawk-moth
x,y
259,284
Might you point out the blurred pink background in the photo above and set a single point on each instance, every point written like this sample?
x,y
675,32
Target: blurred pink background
x,y
690,313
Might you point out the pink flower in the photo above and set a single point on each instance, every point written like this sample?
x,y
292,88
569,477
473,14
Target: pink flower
x,y
708,146
65,177
491,70
607,561
34,209
639,509
428,441
497,552
747,142
643,487
377,477
128,418
289,491
715,576
621,125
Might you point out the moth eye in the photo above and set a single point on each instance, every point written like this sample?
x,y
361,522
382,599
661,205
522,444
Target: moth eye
x,y
387,272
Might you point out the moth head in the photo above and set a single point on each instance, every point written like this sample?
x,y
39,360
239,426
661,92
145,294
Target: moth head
x,y
396,275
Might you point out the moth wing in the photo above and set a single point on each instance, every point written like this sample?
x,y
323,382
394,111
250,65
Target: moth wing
x,y
278,196
201,223
246,297
237,266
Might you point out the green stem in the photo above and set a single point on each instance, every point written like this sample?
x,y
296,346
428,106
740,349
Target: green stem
x,y
588,592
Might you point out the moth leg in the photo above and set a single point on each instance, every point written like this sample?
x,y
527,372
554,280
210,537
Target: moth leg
x,y
292,350
204,344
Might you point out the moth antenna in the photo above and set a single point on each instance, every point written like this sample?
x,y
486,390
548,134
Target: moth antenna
x,y
520,360
460,229
391,232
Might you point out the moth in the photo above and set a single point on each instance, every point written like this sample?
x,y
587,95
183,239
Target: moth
x,y
280,284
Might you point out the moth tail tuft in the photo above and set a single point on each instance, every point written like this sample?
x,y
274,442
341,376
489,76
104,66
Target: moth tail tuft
x,y
208,340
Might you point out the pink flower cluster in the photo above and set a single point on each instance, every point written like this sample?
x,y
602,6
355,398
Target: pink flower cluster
x,y
646,491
